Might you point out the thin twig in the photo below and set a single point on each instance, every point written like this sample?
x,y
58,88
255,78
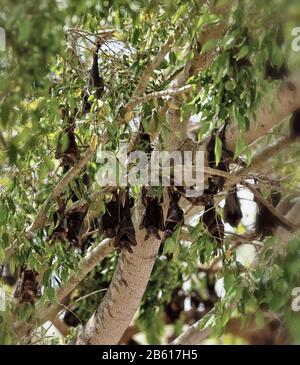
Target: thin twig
x,y
285,222
41,217
141,86
158,94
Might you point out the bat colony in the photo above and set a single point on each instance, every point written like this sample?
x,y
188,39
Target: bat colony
x,y
116,222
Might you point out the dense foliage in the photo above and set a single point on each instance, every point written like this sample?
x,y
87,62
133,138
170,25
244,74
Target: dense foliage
x,y
45,70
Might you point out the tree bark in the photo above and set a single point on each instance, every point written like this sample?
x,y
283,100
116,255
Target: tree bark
x,y
284,100
113,316
121,301
192,336
45,313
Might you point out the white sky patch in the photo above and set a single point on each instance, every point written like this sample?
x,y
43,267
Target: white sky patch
x,y
219,288
245,254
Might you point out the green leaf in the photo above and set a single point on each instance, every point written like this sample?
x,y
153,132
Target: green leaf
x,y
47,277
172,57
169,246
228,280
218,150
243,53
51,294
135,36
12,264
5,239
248,153
181,11
206,19
239,146
208,321
2,254
34,262
165,134
209,45
276,54
3,215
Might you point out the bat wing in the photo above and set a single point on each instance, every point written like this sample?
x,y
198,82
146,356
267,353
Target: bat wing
x,y
161,225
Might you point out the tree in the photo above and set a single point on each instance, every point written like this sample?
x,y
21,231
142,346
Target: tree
x,y
213,76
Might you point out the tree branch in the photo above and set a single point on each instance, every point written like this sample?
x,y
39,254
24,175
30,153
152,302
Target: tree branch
x,y
285,222
41,217
158,94
285,100
91,260
113,316
282,234
141,86
119,305
192,336
199,62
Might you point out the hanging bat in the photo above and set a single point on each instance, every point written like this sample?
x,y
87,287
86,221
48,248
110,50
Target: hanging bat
x,y
70,226
111,217
196,299
232,209
67,149
125,235
217,182
27,290
174,308
175,215
209,300
275,72
295,125
75,226
233,53
275,197
145,141
70,317
95,82
6,276
266,222
153,219
213,222
59,233
89,226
